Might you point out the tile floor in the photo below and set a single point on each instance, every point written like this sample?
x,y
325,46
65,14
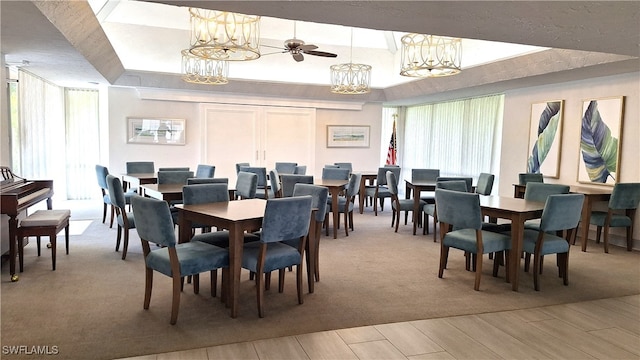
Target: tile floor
x,y
599,329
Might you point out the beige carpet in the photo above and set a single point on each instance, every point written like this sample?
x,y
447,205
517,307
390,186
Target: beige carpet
x,y
91,306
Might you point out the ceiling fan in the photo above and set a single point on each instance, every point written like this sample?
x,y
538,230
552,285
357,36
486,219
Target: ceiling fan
x,y
297,48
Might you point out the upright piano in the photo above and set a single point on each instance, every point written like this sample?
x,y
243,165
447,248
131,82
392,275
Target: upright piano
x,y
16,195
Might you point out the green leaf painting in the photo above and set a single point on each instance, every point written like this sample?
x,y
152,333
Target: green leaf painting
x,y
547,129
599,148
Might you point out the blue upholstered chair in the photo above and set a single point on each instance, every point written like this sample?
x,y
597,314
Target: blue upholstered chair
x,y
205,171
284,219
101,174
275,191
346,204
398,205
239,165
380,191
524,178
286,167
262,191
319,196
537,191
468,180
485,184
430,209
561,213
331,166
200,194
300,170
426,175
173,169
174,260
124,219
289,182
174,176
344,165
335,173
620,213
460,220
246,185
140,167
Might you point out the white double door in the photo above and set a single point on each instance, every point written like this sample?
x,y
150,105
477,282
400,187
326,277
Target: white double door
x,y
259,135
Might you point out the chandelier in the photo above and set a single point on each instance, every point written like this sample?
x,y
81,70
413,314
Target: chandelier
x,y
350,79
204,71
430,55
222,35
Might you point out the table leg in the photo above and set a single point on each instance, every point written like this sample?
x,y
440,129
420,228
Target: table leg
x,y
236,242
585,219
517,229
13,247
416,208
311,254
361,194
336,213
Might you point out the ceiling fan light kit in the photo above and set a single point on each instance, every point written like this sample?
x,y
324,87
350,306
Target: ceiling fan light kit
x,y
222,35
204,71
430,55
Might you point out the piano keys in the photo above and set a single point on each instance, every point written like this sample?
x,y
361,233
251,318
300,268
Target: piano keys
x,y
17,195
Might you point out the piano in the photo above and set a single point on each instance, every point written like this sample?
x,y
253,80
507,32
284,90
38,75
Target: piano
x,y
16,195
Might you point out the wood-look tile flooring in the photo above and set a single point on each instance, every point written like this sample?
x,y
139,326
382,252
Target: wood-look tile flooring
x,y
599,329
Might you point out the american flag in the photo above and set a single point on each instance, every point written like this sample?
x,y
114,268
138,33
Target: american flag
x,y
392,153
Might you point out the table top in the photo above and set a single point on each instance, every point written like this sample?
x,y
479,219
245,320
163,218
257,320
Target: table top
x,y
582,189
510,204
421,183
330,182
235,210
141,175
164,188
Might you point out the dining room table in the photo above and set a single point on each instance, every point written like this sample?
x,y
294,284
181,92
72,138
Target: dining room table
x,y
138,179
517,211
236,216
335,188
166,192
368,177
417,187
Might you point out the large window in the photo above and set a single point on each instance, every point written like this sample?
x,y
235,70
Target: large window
x,y
461,138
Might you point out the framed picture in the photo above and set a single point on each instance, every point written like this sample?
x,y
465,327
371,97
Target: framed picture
x,y
545,138
156,131
347,136
600,140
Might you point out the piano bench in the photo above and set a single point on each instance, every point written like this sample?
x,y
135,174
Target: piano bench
x,y
44,223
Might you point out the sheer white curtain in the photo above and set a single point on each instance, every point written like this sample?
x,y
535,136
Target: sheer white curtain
x,y
459,137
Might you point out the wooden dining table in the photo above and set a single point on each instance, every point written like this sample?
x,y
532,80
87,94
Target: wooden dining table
x,y
236,216
166,192
517,211
138,179
368,177
418,186
335,187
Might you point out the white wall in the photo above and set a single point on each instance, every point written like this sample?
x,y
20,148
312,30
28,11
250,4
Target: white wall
x,y
517,114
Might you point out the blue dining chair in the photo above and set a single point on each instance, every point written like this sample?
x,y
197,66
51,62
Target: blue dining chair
x,y
620,212
525,178
319,196
485,184
246,185
284,219
262,191
380,191
205,171
124,218
561,213
289,181
460,218
286,167
140,167
426,175
275,191
345,204
430,209
173,169
174,260
397,204
300,170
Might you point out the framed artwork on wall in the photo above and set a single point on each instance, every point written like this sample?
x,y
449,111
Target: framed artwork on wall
x,y
348,136
600,140
545,138
157,131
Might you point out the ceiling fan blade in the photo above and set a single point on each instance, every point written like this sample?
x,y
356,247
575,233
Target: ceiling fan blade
x,y
298,57
307,47
320,53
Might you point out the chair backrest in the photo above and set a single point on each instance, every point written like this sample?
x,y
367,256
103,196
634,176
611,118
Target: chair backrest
x,y
561,212
196,180
205,171
239,165
454,185
524,178
485,184
344,165
331,166
173,169
625,196
392,183
286,167
540,191
382,174
246,185
460,209
101,174
289,181
140,167
204,193
116,193
153,221
319,195
286,218
274,180
300,170
174,177
354,184
425,174
467,180
261,172
335,174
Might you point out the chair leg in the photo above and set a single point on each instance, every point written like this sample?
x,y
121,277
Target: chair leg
x,y
606,238
175,302
66,238
435,220
375,206
125,245
281,273
148,285
260,294
478,270
214,282
565,267
598,234
536,268
52,240
299,283
444,255
104,212
527,262
196,283
425,227
113,215
346,223
118,238
629,238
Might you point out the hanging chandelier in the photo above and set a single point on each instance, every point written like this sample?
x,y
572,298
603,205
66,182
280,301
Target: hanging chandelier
x,y
430,55
222,35
204,71
350,79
